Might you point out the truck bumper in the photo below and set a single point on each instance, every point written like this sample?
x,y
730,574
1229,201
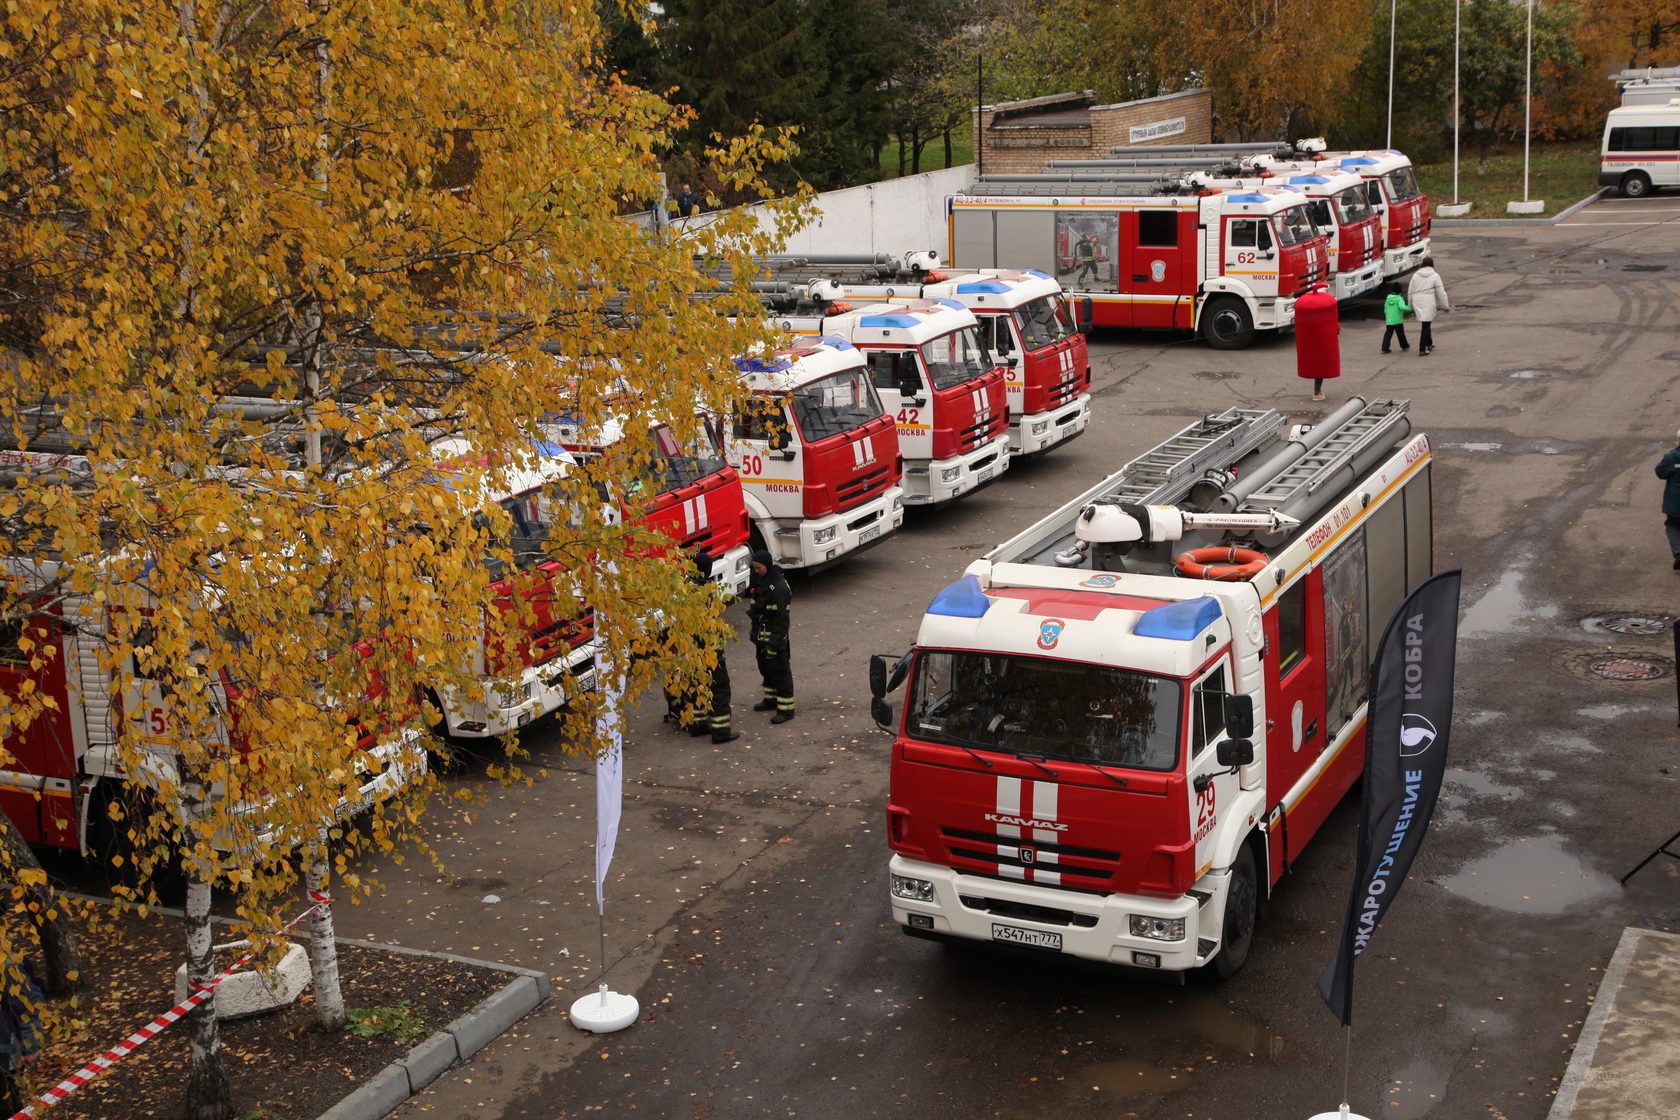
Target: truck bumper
x,y
537,692
1346,285
1067,923
1032,435
817,542
733,570
933,482
1398,262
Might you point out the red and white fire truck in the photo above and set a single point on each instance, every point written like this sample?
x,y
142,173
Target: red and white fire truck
x,y
1024,322
1123,725
552,658
66,768
817,454
697,499
1392,190
933,374
1222,263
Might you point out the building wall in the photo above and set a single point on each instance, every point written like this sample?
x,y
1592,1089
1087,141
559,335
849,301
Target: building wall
x,y
1023,148
896,216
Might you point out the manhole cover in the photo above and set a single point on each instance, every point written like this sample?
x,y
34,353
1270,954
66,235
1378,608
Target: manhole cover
x,y
1644,267
1217,375
1638,625
1627,669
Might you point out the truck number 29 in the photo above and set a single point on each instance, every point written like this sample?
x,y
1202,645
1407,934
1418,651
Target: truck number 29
x,y
1204,806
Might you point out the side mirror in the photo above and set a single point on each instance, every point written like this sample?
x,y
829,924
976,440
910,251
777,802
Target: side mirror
x,y
877,675
1234,752
780,437
1239,715
1085,315
881,712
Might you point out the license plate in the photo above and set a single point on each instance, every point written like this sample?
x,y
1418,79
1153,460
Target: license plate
x,y
524,718
869,534
983,475
1037,938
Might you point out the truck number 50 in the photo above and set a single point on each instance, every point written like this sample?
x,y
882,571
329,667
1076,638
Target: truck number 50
x,y
752,465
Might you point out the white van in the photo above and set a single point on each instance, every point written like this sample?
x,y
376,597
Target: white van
x,y
1641,148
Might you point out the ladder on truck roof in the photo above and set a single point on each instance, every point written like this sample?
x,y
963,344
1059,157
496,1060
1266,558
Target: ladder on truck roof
x,y
1369,425
1164,474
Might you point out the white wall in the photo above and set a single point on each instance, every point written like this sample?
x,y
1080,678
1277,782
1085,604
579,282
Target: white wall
x,y
895,216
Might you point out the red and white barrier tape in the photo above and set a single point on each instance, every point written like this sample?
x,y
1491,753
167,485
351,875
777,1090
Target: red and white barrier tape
x,y
320,900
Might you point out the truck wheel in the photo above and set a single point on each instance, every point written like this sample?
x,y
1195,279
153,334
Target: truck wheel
x,y
1226,324
1636,184
108,842
1242,902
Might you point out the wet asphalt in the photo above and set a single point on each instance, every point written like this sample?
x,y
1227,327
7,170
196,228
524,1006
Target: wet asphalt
x,y
747,909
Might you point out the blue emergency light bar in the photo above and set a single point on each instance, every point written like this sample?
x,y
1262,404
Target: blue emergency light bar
x,y
1245,198
895,320
984,288
762,365
964,599
1179,622
835,341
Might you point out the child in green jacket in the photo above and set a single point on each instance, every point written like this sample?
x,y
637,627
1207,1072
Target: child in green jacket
x,y
1394,314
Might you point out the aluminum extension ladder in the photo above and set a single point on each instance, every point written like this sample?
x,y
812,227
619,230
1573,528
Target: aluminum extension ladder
x,y
1165,474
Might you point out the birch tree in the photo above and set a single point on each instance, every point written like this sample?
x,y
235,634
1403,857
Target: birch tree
x,y
262,256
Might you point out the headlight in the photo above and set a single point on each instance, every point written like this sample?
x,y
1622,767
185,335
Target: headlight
x,y
1158,929
512,695
920,890
1039,426
898,501
823,536
950,474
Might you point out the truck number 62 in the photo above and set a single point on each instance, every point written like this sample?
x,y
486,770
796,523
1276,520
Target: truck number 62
x,y
1245,258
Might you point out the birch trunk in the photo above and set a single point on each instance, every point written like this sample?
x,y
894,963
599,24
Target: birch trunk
x,y
323,955
62,971
208,1095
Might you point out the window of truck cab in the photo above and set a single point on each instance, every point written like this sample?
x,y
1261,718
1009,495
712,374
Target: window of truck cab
x,y
1041,322
954,358
836,404
1045,708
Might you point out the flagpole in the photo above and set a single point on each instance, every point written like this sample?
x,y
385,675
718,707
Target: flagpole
x,y
1458,13
1388,138
605,1011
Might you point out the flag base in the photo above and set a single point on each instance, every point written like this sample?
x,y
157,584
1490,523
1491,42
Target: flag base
x,y
604,1012
1340,1114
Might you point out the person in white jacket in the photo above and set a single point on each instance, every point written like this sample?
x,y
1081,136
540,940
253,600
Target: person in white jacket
x,y
1427,295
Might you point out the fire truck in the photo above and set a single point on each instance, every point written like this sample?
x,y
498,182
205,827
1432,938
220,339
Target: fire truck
x,y
817,454
1391,184
554,657
697,499
1024,322
65,766
933,374
1223,263
1123,725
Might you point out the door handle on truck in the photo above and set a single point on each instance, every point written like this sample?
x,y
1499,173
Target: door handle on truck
x,y
1310,733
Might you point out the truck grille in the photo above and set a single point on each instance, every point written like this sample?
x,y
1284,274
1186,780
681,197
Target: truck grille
x,y
998,857
1023,911
860,489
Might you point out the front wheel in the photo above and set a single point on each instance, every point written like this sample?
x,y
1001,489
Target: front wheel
x,y
1242,903
1226,324
1636,184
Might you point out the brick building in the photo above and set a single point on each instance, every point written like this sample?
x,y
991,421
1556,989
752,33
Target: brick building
x,y
1019,137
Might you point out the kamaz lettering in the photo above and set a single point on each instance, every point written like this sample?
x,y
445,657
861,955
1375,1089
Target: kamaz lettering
x,y
1027,822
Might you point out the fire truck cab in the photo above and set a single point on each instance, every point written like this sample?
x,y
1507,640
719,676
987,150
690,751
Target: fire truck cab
x,y
1121,726
1339,206
817,454
934,375
1392,190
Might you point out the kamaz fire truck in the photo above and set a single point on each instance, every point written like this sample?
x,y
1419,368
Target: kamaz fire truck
x,y
553,657
692,495
1391,185
817,454
1023,319
933,373
65,767
1222,263
1122,726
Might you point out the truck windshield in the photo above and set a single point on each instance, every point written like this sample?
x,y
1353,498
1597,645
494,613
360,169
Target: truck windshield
x,y
1293,227
835,404
535,514
1045,708
1319,211
1041,323
1402,184
956,357
684,466
1352,206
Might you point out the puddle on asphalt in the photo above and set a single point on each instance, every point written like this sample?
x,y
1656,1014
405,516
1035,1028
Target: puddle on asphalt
x,y
1502,608
1193,1024
1479,784
1532,876
1418,1088
1476,446
1607,711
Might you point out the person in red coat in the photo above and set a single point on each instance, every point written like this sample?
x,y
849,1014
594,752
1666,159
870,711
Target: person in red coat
x,y
1318,353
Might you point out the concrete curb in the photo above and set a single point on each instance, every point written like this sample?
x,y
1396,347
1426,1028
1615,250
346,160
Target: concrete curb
x,y
1517,222
495,1013
1581,1058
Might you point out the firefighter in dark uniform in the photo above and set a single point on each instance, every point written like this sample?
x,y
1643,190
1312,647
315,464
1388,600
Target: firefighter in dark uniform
x,y
713,714
1085,254
768,601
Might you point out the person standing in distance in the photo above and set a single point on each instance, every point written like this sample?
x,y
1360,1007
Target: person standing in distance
x,y
1668,469
718,706
768,601
1427,295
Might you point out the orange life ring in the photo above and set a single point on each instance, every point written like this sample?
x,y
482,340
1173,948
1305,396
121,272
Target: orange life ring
x,y
1232,564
